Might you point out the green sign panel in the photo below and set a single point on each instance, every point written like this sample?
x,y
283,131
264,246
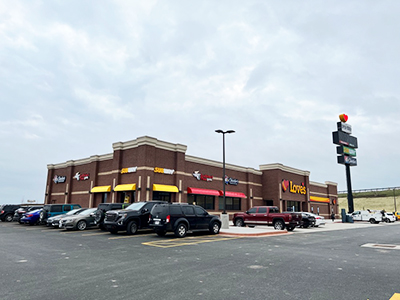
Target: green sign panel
x,y
346,150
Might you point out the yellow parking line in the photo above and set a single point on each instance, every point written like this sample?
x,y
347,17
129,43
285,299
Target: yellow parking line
x,y
128,236
178,243
97,233
395,296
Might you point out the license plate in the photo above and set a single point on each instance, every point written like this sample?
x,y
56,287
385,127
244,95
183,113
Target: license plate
x,y
156,222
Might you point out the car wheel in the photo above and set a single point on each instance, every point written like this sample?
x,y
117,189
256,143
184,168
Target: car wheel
x,y
8,218
161,232
279,225
181,230
132,227
372,221
99,215
239,222
81,225
306,225
215,227
290,228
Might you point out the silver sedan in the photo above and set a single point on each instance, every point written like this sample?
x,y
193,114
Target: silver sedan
x,y
79,221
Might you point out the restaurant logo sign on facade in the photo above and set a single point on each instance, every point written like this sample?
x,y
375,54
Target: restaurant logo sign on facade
x,y
199,176
164,171
128,170
84,176
59,179
294,188
231,181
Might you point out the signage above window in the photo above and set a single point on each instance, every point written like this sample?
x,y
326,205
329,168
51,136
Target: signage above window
x,y
84,176
164,171
294,188
59,179
128,170
231,181
198,176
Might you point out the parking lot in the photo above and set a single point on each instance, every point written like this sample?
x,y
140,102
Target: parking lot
x,y
43,263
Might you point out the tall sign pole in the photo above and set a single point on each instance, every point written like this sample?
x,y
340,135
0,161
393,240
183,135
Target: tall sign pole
x,y
346,150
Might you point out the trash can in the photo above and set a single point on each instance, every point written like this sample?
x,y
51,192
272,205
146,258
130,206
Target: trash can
x,y
349,219
344,218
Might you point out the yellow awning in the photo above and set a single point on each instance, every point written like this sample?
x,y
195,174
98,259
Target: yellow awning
x,y
165,188
125,187
101,189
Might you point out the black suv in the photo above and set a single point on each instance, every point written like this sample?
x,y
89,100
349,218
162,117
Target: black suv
x,y
7,212
134,217
180,218
100,213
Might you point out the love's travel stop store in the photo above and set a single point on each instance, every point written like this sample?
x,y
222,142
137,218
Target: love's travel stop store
x,y
147,169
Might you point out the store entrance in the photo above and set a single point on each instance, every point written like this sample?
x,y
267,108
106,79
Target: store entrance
x,y
126,197
163,196
293,206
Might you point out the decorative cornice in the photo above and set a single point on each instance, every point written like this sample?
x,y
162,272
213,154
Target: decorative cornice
x,y
331,183
150,141
281,167
318,184
217,164
79,162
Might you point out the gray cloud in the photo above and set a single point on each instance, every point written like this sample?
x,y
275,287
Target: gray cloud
x,y
76,77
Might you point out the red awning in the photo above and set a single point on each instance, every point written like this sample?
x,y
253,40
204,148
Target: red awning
x,y
197,191
232,194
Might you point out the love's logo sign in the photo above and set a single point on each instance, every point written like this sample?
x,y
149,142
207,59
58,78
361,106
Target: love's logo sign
x,y
285,185
343,118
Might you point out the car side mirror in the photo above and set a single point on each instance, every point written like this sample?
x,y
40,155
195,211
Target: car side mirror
x,y
145,210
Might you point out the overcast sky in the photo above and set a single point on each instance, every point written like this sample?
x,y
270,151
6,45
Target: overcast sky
x,y
77,76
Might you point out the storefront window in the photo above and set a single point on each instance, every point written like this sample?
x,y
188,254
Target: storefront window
x,y
127,197
205,201
104,198
293,206
163,196
231,203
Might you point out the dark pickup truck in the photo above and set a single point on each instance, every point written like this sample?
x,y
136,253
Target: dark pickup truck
x,y
267,215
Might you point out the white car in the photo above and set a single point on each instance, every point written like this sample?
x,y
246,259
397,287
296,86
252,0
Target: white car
x,y
389,217
319,220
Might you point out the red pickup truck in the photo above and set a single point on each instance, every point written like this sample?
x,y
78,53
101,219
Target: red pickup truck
x,y
267,215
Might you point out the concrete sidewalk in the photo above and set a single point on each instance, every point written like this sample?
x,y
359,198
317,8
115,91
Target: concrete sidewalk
x,y
262,230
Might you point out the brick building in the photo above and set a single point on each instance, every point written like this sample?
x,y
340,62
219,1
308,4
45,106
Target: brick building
x,y
147,168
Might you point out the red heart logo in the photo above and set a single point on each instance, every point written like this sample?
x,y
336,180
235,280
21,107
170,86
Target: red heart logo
x,y
343,118
285,185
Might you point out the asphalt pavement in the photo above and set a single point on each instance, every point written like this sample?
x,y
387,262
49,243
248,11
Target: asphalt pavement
x,y
262,230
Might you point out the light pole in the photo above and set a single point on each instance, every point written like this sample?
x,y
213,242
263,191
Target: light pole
x,y
225,217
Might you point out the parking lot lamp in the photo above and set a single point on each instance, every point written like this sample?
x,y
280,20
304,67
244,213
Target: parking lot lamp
x,y
225,217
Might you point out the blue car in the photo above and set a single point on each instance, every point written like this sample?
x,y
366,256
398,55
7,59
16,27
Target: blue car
x,y
31,217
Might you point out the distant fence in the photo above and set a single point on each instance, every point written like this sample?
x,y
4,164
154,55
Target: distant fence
x,y
376,190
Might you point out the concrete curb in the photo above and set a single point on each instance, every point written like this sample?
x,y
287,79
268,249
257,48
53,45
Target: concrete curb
x,y
257,234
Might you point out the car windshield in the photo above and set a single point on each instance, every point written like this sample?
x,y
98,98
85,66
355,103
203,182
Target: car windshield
x,y
87,211
72,212
136,206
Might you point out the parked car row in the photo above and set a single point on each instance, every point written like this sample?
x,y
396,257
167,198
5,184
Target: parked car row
x,y
161,216
270,215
